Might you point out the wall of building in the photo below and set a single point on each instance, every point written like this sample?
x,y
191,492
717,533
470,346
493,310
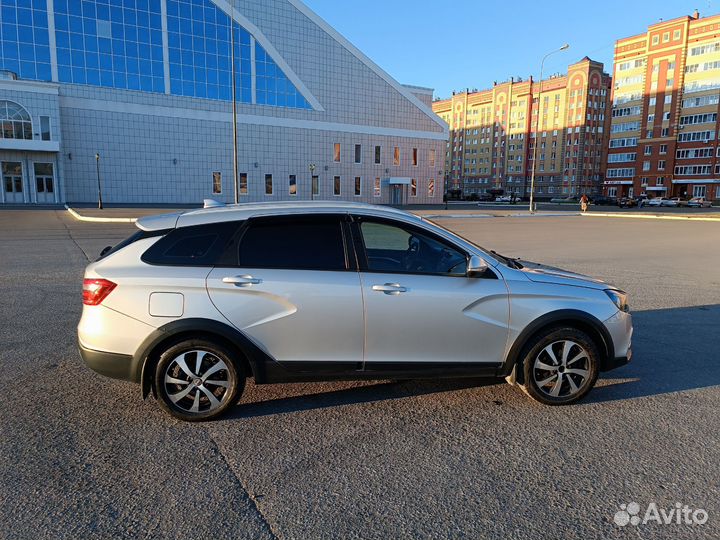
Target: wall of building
x,y
156,147
667,86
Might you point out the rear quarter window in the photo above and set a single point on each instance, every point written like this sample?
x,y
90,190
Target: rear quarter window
x,y
199,245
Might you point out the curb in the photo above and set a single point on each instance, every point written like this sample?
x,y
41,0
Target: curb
x,y
79,217
651,216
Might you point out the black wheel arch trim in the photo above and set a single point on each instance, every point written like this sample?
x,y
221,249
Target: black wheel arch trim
x,y
569,316
255,356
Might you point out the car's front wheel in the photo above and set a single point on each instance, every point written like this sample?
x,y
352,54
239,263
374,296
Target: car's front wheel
x,y
560,366
198,380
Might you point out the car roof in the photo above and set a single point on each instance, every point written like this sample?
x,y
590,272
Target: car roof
x,y
239,212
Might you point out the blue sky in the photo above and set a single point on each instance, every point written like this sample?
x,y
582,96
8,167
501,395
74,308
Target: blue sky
x,y
429,43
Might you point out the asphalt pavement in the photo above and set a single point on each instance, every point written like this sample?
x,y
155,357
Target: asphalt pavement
x,y
82,456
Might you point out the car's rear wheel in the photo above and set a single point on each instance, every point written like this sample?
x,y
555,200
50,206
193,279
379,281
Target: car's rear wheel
x,y
560,366
198,380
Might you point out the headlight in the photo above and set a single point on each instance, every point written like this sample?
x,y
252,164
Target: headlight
x,y
619,298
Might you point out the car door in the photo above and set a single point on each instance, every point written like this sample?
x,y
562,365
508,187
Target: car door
x,y
420,306
294,291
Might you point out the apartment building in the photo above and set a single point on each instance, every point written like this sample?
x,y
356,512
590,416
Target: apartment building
x,y
493,133
665,103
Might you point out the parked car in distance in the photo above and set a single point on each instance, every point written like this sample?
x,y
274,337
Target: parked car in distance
x,y
565,200
674,202
627,202
485,197
508,199
194,303
658,201
699,202
602,200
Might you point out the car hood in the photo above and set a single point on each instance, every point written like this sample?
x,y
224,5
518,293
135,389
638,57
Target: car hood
x,y
542,273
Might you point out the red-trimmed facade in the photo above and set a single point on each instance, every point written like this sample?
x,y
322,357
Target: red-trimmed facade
x,y
667,84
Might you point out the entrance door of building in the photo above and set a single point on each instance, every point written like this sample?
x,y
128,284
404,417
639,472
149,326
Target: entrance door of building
x,y
13,185
396,194
44,182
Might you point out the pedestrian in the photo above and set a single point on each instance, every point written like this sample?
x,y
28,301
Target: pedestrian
x,y
584,203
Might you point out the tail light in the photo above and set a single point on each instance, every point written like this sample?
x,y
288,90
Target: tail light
x,y
96,290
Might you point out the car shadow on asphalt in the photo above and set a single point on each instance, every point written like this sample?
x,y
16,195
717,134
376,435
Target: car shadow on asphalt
x,y
368,393
674,350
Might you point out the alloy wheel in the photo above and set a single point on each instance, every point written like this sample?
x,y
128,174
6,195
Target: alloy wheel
x,y
562,369
197,381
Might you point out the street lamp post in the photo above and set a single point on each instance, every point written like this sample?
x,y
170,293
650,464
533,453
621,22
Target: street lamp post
x,y
236,180
97,168
537,127
312,181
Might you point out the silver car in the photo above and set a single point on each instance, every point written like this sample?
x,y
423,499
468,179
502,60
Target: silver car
x,y
196,302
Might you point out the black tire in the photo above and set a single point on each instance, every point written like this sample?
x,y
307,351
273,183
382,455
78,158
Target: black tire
x,y
220,378
575,373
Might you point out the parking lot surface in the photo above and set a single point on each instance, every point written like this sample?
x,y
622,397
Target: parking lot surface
x,y
84,457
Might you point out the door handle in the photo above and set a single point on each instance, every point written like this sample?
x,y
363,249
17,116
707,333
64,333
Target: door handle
x,y
390,288
242,281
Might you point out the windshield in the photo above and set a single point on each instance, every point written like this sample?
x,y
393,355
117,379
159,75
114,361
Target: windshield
x,y
508,261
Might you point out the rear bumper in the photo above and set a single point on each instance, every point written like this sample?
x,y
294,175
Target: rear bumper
x,y
113,365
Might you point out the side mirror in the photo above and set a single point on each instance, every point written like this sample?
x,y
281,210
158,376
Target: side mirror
x,y
476,266
105,250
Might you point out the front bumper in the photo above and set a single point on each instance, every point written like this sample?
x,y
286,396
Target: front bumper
x,y
618,361
113,365
620,328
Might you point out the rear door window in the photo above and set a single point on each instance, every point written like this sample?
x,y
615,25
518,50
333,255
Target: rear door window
x,y
294,242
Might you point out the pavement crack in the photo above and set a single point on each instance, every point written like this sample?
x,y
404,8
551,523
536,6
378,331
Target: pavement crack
x,y
67,229
266,523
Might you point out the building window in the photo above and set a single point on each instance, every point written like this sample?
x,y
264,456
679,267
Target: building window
x,y
396,156
45,128
268,184
315,185
415,157
336,152
377,191
243,181
292,186
358,186
413,187
648,150
661,165
663,148
431,188
431,157
336,186
25,40
15,121
217,183
378,154
699,191
358,153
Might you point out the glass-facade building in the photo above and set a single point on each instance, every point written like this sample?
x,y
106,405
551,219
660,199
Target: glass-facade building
x,y
115,56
